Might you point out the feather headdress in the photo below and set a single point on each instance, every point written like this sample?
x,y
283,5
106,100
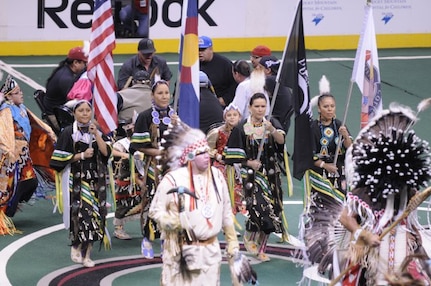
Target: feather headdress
x,y
386,156
324,88
182,143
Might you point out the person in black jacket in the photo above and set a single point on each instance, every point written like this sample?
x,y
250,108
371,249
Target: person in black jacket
x,y
219,71
62,79
145,60
211,112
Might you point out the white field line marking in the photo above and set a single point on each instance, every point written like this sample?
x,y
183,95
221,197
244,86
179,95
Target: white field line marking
x,y
7,252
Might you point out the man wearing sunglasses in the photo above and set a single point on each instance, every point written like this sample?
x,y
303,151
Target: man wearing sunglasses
x,y
145,60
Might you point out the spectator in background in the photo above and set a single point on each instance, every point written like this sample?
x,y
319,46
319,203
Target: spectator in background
x,y
254,84
219,70
145,60
283,106
136,11
210,109
240,71
136,98
62,79
257,53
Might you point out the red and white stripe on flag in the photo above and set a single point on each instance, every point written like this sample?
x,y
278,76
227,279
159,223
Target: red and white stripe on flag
x,y
101,66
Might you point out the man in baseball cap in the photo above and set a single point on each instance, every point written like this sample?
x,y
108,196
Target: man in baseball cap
x,y
218,69
257,53
146,46
205,42
78,54
146,60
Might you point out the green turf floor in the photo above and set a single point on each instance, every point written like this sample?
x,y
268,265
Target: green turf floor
x,y
406,78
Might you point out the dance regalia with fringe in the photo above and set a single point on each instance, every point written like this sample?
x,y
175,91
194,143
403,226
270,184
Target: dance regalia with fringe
x,y
389,164
127,193
203,257
217,140
385,166
82,192
147,134
19,131
325,144
321,230
325,194
264,201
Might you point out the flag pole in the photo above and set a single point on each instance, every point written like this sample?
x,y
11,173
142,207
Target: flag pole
x,y
177,90
349,96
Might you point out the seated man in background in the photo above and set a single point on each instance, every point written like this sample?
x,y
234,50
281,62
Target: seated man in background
x,y
136,11
136,98
145,60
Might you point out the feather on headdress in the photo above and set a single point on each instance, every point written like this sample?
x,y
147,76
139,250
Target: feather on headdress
x,y
324,88
182,143
386,156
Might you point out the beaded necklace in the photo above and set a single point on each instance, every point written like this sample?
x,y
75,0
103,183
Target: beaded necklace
x,y
327,133
157,112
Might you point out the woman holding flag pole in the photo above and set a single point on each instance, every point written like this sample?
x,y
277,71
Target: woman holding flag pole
x,y
253,144
331,139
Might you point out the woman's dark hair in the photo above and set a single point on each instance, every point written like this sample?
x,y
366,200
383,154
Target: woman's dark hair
x,y
242,67
81,102
65,62
256,96
157,83
322,96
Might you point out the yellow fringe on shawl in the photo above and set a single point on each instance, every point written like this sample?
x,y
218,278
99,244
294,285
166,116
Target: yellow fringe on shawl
x,y
285,235
6,225
111,181
307,189
288,174
107,240
132,173
230,174
236,222
151,231
58,192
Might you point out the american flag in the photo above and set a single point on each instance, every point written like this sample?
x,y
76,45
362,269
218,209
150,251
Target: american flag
x,y
101,66
188,101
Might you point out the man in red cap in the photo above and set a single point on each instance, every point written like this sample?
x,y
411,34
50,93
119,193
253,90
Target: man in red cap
x,y
62,79
257,53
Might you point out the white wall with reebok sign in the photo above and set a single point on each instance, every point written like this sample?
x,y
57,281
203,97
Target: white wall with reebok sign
x,y
54,21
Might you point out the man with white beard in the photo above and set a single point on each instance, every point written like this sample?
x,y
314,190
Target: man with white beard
x,y
247,88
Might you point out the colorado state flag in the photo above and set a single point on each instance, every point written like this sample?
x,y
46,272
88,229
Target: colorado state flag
x,y
188,97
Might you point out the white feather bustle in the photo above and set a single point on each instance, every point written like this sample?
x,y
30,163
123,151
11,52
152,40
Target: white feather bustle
x,y
324,85
324,88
